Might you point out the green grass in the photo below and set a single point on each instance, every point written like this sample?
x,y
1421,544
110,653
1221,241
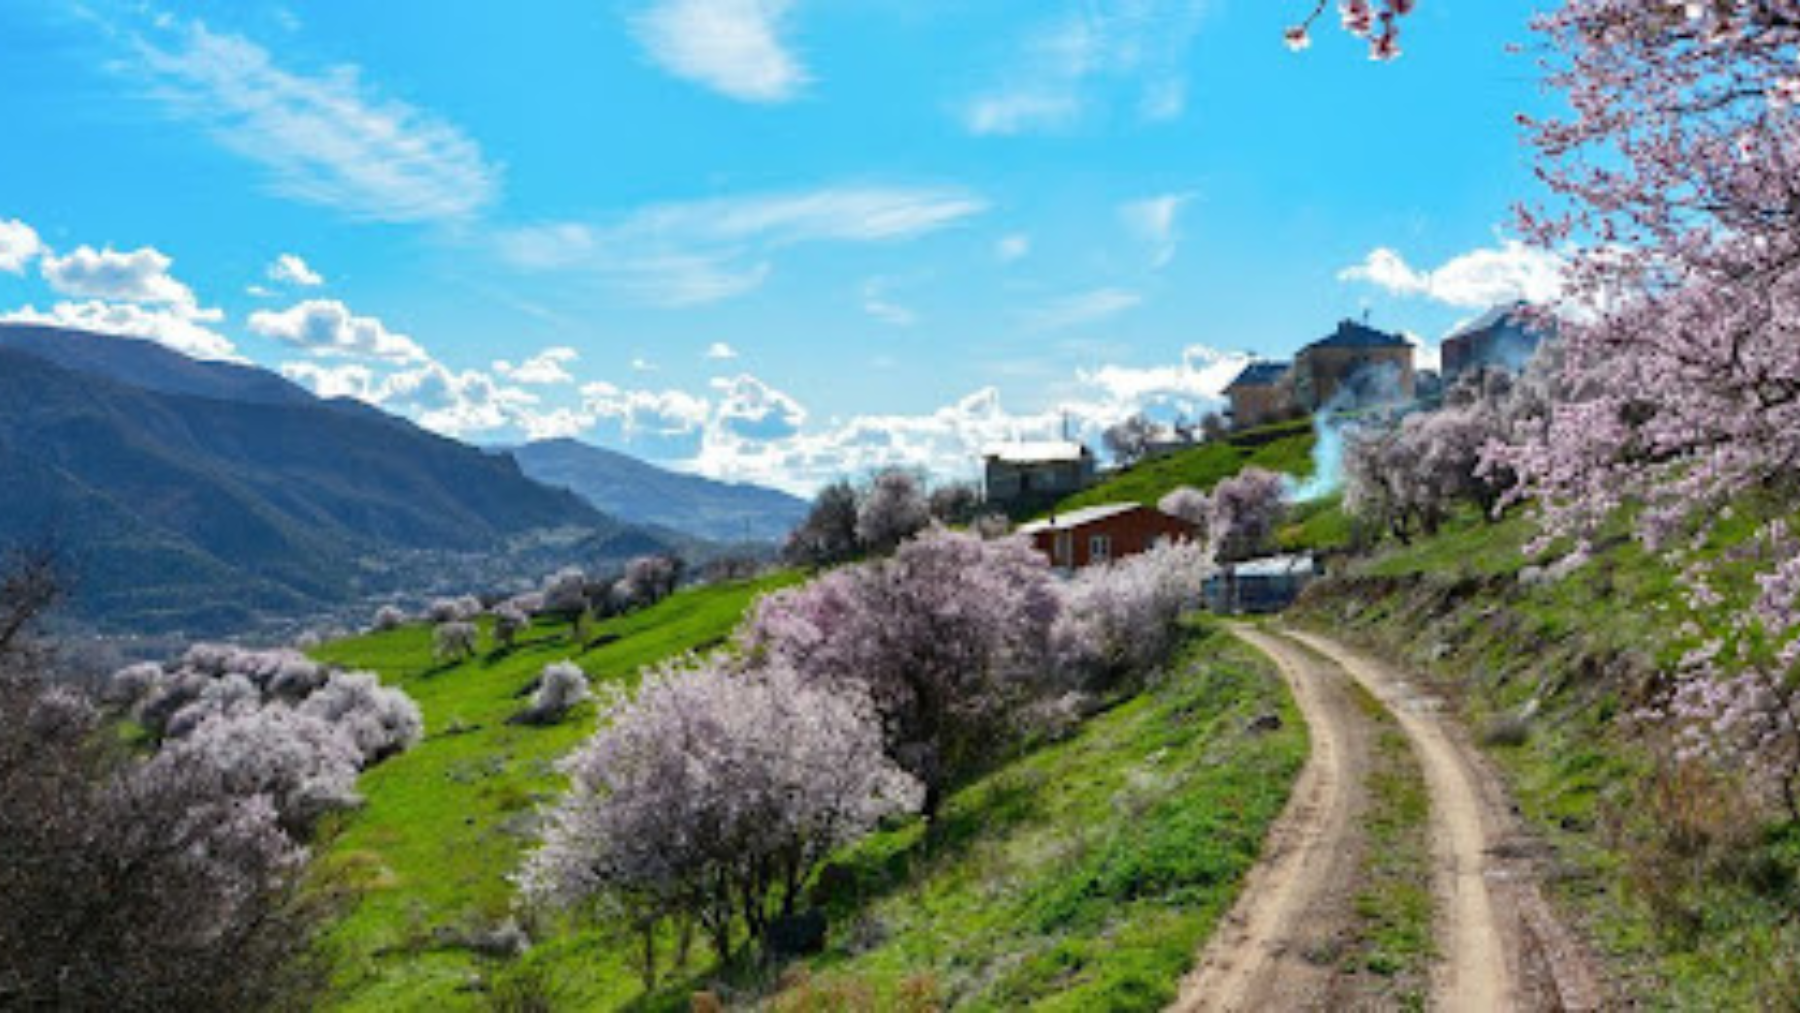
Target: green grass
x,y
1393,908
1580,653
1285,447
1084,876
446,823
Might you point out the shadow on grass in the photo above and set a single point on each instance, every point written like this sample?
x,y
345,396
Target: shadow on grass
x,y
907,855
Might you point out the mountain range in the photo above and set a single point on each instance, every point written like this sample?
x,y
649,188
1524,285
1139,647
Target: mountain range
x,y
624,486
207,498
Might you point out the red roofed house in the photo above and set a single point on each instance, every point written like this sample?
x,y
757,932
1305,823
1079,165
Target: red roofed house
x,y
1101,534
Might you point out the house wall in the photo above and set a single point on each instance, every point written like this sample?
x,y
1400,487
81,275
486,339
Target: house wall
x,y
1129,533
1506,346
1008,481
1254,406
1322,371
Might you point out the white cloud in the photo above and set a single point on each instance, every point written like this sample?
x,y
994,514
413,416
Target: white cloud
x,y
1473,280
434,395
656,413
139,276
290,269
127,294
1188,388
19,243
1012,247
327,327
180,327
1068,66
703,251
879,304
749,408
327,138
734,47
721,351
1081,308
639,364
546,368
1155,221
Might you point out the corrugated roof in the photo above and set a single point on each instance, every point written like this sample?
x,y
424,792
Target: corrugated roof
x,y
1077,518
1350,334
1274,566
1037,453
1260,374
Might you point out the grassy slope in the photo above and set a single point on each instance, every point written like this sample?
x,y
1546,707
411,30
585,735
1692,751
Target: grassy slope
x,y
1285,447
1083,876
445,823
1577,652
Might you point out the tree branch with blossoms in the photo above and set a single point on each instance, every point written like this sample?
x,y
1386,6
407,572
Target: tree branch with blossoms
x,y
1359,18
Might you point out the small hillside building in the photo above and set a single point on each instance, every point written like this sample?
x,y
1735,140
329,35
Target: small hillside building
x,y
1269,584
1261,394
1502,338
1101,534
1023,473
1356,366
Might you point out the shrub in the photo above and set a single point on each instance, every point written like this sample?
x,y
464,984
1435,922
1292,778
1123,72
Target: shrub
x,y
388,617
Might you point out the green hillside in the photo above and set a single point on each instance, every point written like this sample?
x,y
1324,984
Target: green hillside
x,y
446,823
1032,892
1285,447
1691,899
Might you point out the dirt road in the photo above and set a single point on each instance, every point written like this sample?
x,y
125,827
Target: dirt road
x,y
1499,945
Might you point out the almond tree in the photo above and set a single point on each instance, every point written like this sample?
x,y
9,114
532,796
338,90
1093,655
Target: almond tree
x,y
560,686
828,535
1189,504
1246,510
944,636
650,579
1675,176
712,794
454,641
893,510
1121,621
1361,19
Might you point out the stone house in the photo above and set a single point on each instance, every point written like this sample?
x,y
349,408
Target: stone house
x,y
1355,366
1023,473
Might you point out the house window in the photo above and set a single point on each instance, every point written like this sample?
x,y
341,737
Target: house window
x,y
1100,549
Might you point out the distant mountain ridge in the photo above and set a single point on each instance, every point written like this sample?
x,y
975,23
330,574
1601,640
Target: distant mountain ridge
x,y
200,496
625,487
148,365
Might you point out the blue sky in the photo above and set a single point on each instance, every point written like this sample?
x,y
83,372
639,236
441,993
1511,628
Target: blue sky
x,y
771,240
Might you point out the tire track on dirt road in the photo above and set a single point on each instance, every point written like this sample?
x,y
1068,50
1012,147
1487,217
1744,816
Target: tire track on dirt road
x,y
1267,953
1499,944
